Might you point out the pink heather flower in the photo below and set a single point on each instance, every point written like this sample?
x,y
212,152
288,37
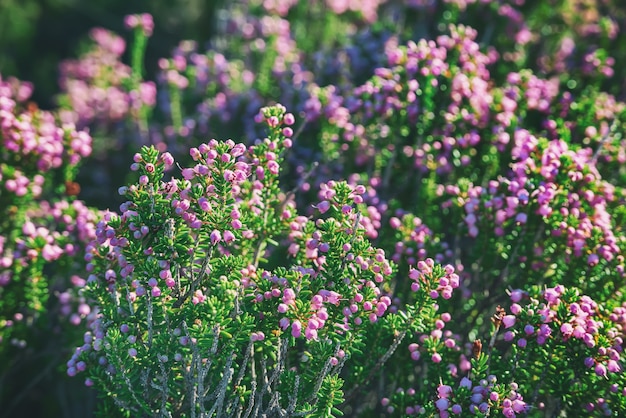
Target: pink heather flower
x,y
260,173
188,173
516,295
516,309
229,175
508,321
317,302
333,297
216,237
551,295
273,167
613,366
296,329
228,237
323,206
593,259
238,150
289,119
131,21
195,153
444,391
273,121
519,406
310,333
567,329
288,296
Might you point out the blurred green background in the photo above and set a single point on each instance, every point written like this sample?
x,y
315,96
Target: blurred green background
x,y
35,35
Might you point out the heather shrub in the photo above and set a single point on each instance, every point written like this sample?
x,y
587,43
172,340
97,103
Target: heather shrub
x,y
43,234
210,248
232,302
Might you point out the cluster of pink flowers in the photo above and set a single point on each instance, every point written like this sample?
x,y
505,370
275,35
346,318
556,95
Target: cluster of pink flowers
x,y
204,91
566,317
33,142
367,9
414,241
435,282
38,154
561,186
406,86
346,303
482,397
94,86
142,21
436,341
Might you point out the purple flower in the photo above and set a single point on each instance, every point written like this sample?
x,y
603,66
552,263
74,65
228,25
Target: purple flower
x,y
442,404
508,321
